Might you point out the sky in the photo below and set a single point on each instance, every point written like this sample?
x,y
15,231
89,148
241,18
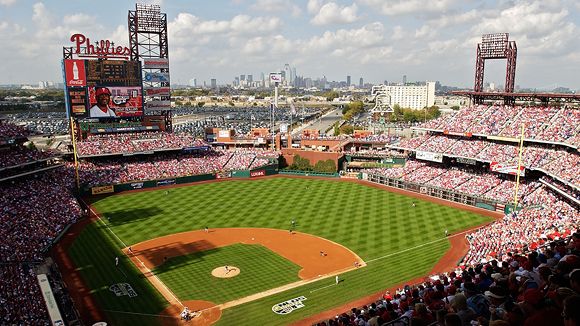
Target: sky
x,y
377,40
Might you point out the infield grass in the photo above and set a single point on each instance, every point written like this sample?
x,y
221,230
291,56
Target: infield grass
x,y
190,278
398,241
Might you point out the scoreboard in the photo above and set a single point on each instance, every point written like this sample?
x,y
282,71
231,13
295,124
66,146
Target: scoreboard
x,y
121,77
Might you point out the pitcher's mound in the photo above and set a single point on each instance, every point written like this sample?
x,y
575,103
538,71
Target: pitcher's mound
x,y
223,272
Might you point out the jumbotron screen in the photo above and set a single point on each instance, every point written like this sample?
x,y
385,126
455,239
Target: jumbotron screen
x,y
119,80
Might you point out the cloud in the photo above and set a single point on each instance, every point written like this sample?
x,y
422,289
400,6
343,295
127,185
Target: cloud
x,y
407,7
314,6
185,25
285,6
7,3
425,31
364,37
539,28
331,13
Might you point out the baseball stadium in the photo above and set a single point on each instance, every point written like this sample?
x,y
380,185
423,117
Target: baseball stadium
x,y
151,215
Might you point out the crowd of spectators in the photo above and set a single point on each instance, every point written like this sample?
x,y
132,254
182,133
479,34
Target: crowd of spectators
x,y
544,217
17,155
20,297
374,152
539,287
99,144
485,185
107,171
541,123
33,213
562,163
12,131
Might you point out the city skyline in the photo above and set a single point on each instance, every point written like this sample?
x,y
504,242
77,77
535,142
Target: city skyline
x,y
370,39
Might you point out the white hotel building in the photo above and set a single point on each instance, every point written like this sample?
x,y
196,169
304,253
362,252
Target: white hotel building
x,y
408,96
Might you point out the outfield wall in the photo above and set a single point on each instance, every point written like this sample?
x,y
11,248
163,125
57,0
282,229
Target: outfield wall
x,y
442,193
136,185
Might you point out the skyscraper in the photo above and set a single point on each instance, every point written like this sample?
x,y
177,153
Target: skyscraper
x,y
287,74
213,83
360,83
347,80
404,80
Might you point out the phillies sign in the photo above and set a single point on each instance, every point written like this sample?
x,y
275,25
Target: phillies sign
x,y
99,49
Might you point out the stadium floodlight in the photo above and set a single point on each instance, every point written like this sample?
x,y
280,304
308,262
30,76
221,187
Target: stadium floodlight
x,y
496,46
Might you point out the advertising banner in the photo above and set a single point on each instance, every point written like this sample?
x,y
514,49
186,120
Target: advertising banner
x,y
137,185
156,77
75,72
258,173
223,175
507,169
275,77
102,190
77,101
466,161
124,102
157,91
155,63
429,156
158,105
165,182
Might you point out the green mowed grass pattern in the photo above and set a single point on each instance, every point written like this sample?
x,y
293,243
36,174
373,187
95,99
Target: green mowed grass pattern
x,y
373,223
93,253
190,278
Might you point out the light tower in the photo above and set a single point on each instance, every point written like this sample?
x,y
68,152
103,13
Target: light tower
x,y
496,46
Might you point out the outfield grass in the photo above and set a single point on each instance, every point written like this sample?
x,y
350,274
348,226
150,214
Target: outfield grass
x,y
398,241
190,278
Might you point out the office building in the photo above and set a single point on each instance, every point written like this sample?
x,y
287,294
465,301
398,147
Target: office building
x,y
412,96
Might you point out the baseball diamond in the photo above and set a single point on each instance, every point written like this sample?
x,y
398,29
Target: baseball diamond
x,y
391,240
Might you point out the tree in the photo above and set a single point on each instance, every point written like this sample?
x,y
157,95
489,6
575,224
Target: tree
x,y
200,104
331,95
346,129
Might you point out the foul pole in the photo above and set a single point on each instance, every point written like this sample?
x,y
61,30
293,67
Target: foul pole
x,y
75,155
519,171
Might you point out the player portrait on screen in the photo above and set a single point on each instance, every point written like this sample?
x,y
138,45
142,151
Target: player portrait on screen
x,y
102,109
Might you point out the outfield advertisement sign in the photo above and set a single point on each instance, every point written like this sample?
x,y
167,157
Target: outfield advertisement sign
x,y
165,182
102,190
258,173
137,185
286,307
429,156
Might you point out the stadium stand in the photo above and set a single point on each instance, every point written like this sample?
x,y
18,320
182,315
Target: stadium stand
x,y
560,125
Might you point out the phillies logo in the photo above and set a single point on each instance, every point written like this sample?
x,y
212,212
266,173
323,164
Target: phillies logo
x,y
100,49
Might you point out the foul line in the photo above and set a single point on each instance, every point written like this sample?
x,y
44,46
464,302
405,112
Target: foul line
x,y
138,313
322,288
421,245
140,261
